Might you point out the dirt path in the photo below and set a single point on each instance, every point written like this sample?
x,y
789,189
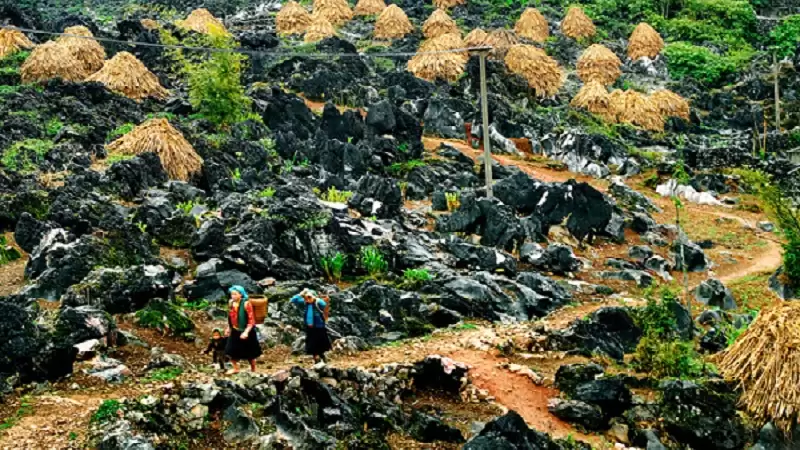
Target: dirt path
x,y
769,258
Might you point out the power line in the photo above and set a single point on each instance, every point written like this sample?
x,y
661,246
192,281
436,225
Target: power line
x,y
251,52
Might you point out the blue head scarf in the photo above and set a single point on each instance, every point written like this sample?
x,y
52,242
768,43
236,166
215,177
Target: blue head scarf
x,y
238,289
242,312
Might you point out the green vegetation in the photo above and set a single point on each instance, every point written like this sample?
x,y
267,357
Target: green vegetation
x,y
165,317
402,168
373,261
8,90
334,195
785,37
194,305
333,265
453,200
186,207
217,140
752,180
24,409
107,411
115,158
383,64
165,374
689,60
417,275
787,218
267,192
7,252
120,131
24,156
53,126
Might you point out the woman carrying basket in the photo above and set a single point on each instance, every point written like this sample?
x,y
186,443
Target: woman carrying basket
x,y
242,338
317,340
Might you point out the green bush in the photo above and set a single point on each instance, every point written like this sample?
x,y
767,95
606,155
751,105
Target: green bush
x,y
781,210
165,317
7,252
24,156
373,261
752,180
333,265
107,411
165,374
402,168
785,37
267,192
688,60
186,207
53,126
417,275
334,195
120,131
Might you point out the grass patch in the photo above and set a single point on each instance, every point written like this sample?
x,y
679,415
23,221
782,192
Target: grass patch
x,y
107,411
165,374
402,168
752,292
24,156
25,408
120,131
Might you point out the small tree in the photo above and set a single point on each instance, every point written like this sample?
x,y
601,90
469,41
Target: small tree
x,y
780,208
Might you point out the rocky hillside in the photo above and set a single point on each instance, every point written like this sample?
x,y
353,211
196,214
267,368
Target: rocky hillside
x,y
642,215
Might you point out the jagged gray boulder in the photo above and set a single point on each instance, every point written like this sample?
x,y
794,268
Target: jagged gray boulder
x,y
713,293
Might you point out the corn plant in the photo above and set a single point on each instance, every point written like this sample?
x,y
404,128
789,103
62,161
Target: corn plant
x,y
334,195
453,200
373,261
332,266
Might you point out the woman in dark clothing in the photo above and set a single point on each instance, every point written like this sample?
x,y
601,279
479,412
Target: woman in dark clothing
x,y
242,338
317,341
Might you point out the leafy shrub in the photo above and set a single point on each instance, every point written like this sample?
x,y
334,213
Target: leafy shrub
x,y
7,252
107,411
165,317
334,195
24,156
688,60
373,261
402,168
785,37
195,305
186,207
120,131
165,374
752,180
453,200
780,208
8,90
332,266
417,275
267,192
53,126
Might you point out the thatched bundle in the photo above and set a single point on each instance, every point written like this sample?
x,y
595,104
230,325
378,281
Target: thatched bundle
x,y
447,4
501,40
12,41
319,29
369,7
476,38
88,52
292,19
203,22
541,71
598,63
670,104
594,98
446,66
337,12
126,75
532,25
393,23
179,159
644,41
439,23
577,25
150,24
636,109
765,361
52,60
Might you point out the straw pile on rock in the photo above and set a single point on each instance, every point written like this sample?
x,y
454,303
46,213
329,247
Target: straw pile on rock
x,y
541,71
126,75
88,52
447,4
577,25
52,60
670,104
369,7
532,25
644,41
150,24
393,23
476,38
594,98
337,12
179,159
445,66
501,40
12,41
292,19
203,22
439,23
636,109
598,63
765,361
319,29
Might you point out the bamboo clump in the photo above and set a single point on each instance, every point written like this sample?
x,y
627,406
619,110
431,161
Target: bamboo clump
x,y
393,23
12,41
202,21
87,51
636,109
644,42
577,25
445,66
179,159
598,63
532,25
594,98
337,12
447,4
292,19
671,104
501,40
476,38
51,60
439,23
533,64
369,7
765,361
126,75
319,29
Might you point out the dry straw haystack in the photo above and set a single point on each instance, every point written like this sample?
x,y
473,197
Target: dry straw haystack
x,y
88,52
532,25
393,23
52,60
594,98
445,66
179,159
670,104
598,63
292,19
369,7
12,41
126,75
202,21
337,12
541,71
501,40
476,38
765,361
577,25
319,29
644,41
636,109
439,23
150,24
447,4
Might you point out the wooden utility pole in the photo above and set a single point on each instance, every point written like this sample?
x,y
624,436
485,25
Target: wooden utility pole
x,y
487,146
777,94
